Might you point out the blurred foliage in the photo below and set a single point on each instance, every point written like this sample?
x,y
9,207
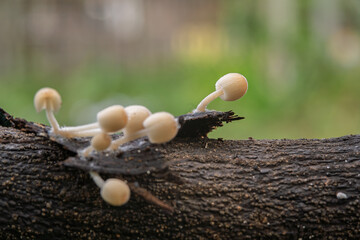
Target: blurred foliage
x,y
303,74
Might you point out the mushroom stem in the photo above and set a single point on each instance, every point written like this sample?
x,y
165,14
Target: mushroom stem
x,y
113,191
48,99
97,179
88,133
85,127
85,152
127,138
84,133
52,120
202,105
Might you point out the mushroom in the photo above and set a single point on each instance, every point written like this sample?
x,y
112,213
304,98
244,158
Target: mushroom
x,y
50,100
99,142
136,116
229,87
160,127
114,191
109,120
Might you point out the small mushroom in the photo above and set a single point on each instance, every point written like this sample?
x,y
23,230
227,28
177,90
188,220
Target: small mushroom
x,y
160,127
50,100
99,142
229,87
111,119
113,191
136,116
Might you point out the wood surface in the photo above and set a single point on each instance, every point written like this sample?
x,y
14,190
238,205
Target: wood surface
x,y
190,188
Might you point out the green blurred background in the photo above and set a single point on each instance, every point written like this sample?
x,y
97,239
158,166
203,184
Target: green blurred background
x,y
301,59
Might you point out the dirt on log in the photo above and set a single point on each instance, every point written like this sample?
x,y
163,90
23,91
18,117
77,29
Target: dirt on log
x,y
190,188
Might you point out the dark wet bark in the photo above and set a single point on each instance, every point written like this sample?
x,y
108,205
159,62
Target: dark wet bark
x,y
216,189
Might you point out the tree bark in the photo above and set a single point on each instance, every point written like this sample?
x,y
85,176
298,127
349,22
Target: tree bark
x,y
209,188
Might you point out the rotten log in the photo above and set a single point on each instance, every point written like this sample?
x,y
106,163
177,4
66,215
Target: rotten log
x,y
190,188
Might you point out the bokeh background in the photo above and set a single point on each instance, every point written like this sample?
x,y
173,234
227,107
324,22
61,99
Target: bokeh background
x,y
301,59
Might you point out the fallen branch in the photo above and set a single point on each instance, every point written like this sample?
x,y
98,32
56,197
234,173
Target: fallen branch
x,y
215,189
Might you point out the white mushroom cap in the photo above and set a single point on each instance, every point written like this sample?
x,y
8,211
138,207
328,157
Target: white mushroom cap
x,y
47,98
136,116
101,141
234,86
115,192
112,119
161,127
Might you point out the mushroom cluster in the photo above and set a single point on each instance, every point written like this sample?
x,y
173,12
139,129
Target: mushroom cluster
x,y
134,121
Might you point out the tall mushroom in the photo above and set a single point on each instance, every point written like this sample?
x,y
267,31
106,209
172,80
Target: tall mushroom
x,y
50,100
229,87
